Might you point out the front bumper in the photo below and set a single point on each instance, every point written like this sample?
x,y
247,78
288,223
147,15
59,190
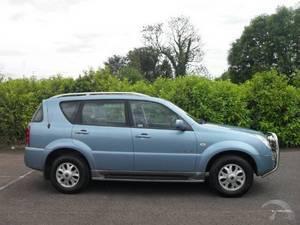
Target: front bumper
x,y
273,140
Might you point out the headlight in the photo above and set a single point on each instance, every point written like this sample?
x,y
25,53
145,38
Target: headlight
x,y
263,140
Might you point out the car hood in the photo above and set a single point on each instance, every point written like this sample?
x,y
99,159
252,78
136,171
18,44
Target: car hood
x,y
227,128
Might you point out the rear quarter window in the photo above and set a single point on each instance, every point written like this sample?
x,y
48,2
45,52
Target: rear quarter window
x,y
70,109
38,115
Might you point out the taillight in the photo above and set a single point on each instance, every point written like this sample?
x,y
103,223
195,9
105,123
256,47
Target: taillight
x,y
27,136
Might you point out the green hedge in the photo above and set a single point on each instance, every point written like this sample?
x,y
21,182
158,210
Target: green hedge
x,y
265,103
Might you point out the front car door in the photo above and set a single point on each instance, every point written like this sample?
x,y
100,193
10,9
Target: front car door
x,y
103,126
158,145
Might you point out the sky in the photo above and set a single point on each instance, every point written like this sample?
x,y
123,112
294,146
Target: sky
x,y
48,37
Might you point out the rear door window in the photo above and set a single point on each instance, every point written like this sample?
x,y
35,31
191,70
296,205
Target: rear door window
x,y
104,113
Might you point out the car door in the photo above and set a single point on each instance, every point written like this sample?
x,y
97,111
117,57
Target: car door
x,y
103,126
158,145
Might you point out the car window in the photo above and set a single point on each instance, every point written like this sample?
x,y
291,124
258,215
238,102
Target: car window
x,y
153,115
103,113
70,109
38,115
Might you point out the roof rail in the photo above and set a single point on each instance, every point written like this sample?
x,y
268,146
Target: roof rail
x,y
98,93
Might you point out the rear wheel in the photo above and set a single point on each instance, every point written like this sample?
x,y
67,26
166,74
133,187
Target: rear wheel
x,y
69,174
231,176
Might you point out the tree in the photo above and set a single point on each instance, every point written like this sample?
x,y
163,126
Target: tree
x,y
178,41
145,63
130,73
115,63
2,77
149,62
269,42
295,81
164,69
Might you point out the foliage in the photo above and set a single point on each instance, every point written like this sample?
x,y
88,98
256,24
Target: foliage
x,y
139,63
267,102
130,73
213,101
149,62
274,106
269,42
295,80
115,63
16,107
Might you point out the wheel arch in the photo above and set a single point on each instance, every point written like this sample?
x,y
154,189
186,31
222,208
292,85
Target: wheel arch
x,y
241,154
59,152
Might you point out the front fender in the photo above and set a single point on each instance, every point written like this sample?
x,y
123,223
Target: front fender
x,y
224,146
67,143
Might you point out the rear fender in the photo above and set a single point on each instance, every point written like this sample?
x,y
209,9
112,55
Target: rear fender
x,y
67,143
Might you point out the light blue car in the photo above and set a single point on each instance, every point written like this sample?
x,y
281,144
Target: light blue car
x,y
127,136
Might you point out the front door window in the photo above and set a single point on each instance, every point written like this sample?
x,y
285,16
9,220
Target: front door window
x,y
153,115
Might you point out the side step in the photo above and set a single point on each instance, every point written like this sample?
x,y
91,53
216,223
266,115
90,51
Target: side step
x,y
148,176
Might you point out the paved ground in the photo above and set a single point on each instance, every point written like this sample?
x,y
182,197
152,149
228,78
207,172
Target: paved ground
x,y
25,198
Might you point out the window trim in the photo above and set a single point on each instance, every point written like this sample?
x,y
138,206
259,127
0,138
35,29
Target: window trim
x,y
189,128
128,113
78,117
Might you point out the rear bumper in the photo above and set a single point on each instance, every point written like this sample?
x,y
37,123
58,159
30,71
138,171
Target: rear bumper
x,y
34,158
272,138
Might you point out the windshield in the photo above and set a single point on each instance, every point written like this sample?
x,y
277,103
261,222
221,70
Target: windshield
x,y
200,121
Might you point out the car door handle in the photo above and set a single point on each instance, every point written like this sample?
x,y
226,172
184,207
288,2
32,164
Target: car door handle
x,y
81,132
142,135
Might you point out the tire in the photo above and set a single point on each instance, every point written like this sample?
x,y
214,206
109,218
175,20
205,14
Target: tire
x,y
227,183
69,174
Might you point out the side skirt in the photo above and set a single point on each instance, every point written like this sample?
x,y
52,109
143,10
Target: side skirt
x,y
148,176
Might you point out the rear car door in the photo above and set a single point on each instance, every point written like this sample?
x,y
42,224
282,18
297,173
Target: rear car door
x,y
158,145
103,126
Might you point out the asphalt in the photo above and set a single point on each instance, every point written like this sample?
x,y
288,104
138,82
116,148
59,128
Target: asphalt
x,y
26,198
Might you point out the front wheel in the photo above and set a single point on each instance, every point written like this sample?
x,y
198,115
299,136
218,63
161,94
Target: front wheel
x,y
231,176
69,174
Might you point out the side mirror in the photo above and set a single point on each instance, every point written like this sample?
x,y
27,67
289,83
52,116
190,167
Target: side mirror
x,y
180,125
